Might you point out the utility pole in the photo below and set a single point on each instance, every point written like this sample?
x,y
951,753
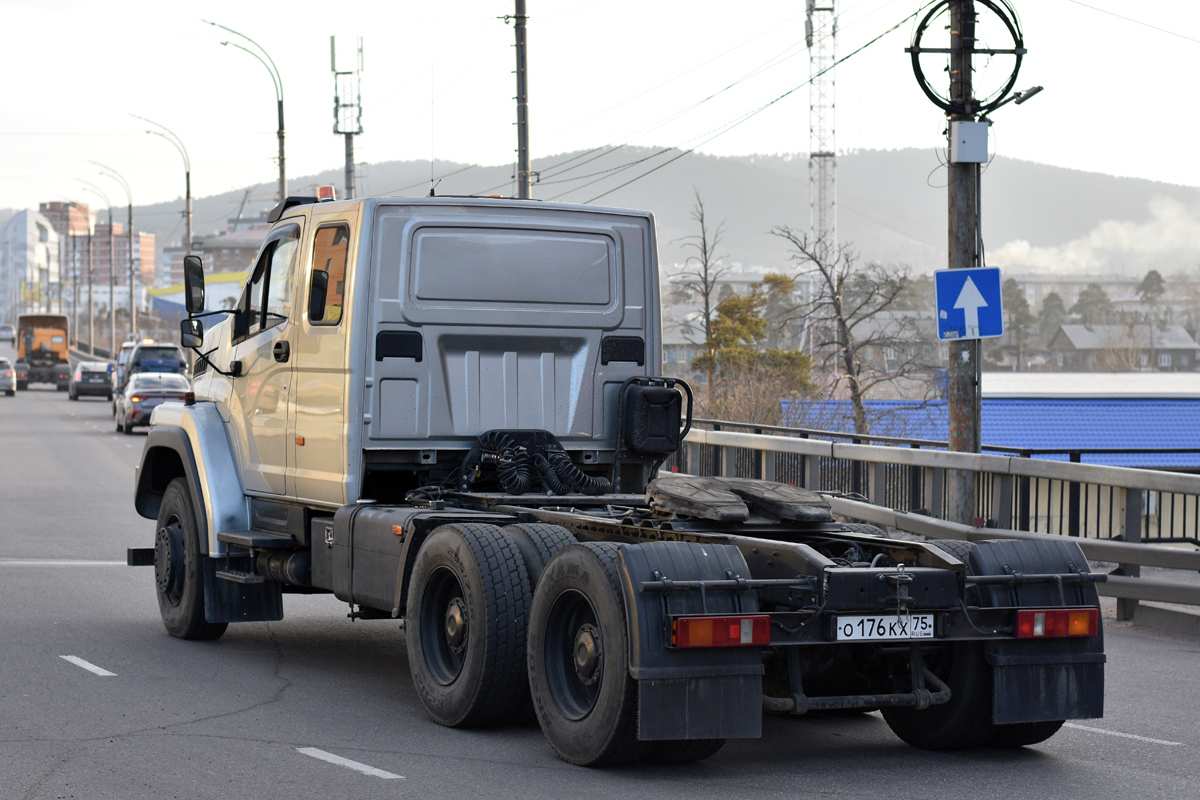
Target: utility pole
x,y
91,305
967,131
963,197
112,173
347,113
112,288
524,176
71,238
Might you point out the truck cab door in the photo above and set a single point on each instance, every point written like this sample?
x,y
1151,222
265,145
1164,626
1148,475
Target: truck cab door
x,y
261,343
318,462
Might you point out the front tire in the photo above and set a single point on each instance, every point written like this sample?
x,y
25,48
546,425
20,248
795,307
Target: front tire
x,y
178,575
466,617
585,699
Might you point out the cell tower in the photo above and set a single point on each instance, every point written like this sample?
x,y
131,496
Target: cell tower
x,y
347,106
820,33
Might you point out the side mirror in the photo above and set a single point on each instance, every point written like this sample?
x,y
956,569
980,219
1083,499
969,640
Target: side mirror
x,y
316,296
191,331
193,284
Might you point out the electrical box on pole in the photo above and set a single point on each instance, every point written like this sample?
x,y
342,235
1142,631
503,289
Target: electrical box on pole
x,y
347,105
968,142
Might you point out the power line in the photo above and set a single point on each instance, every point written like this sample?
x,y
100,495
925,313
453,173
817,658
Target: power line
x,y
755,112
1135,21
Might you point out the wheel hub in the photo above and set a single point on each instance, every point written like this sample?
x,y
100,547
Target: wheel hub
x,y
168,561
588,655
456,625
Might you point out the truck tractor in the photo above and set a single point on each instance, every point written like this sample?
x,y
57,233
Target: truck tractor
x,y
43,350
449,414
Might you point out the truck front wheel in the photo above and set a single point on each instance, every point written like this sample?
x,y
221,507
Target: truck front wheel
x,y
585,699
178,576
467,606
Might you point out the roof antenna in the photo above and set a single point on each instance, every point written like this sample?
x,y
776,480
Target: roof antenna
x,y
433,185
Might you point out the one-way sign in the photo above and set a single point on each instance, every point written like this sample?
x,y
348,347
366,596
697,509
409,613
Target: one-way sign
x,y
968,303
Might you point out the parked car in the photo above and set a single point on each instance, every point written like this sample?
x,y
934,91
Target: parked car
x,y
10,333
8,377
143,392
91,378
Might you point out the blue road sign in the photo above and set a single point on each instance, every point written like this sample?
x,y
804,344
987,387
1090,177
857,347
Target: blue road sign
x,y
968,303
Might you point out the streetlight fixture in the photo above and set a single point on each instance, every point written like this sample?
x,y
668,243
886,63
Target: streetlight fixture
x,y
174,139
109,172
112,287
276,79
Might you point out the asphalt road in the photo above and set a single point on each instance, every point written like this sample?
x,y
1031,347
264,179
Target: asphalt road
x,y
268,710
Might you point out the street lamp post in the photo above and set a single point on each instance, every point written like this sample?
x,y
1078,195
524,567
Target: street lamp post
x,y
277,80
112,272
174,139
112,173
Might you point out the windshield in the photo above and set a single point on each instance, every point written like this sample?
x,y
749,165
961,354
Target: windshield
x,y
158,355
144,383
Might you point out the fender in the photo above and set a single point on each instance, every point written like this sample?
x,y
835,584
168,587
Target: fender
x,y
202,454
1041,680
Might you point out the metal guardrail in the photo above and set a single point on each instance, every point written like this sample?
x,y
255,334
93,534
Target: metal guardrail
x,y
1113,511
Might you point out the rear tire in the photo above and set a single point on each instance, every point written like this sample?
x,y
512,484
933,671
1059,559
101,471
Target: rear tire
x,y
966,720
863,527
586,701
537,543
466,612
178,565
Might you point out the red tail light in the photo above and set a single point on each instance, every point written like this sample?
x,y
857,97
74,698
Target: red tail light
x,y
8,374
721,631
1057,623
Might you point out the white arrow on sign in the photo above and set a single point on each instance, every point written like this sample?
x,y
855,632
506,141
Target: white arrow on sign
x,y
970,301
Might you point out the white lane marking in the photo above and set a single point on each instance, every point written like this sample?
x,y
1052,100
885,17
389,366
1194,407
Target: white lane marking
x,y
90,667
1122,735
15,562
345,762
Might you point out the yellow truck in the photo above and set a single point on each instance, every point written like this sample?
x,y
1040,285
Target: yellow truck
x,y
42,350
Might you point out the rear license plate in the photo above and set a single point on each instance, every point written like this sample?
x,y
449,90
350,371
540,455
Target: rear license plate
x,y
884,626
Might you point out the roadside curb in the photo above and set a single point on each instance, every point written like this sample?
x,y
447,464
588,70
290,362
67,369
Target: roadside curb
x,y
1167,619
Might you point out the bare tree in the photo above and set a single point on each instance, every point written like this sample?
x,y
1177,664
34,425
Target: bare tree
x,y
861,339
702,271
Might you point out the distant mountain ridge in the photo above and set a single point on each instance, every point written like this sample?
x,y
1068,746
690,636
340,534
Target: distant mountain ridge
x,y
891,205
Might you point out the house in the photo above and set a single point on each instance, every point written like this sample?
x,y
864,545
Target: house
x,y
1123,348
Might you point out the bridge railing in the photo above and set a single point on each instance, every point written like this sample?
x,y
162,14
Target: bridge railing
x,y
1115,512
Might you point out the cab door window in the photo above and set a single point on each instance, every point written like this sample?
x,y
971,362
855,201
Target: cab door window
x,y
266,300
331,249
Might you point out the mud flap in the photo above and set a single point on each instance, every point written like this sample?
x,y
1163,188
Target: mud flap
x,y
1043,692
702,693
227,601
1041,680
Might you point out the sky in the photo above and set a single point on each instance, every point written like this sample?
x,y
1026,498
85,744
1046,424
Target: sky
x,y
438,83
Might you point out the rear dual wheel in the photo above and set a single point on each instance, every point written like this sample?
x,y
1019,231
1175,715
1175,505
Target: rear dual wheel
x,y
584,697
966,720
466,618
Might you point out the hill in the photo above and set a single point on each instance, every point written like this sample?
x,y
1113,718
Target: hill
x,y
891,205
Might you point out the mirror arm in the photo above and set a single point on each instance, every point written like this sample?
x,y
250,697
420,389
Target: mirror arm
x,y
210,313
205,357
